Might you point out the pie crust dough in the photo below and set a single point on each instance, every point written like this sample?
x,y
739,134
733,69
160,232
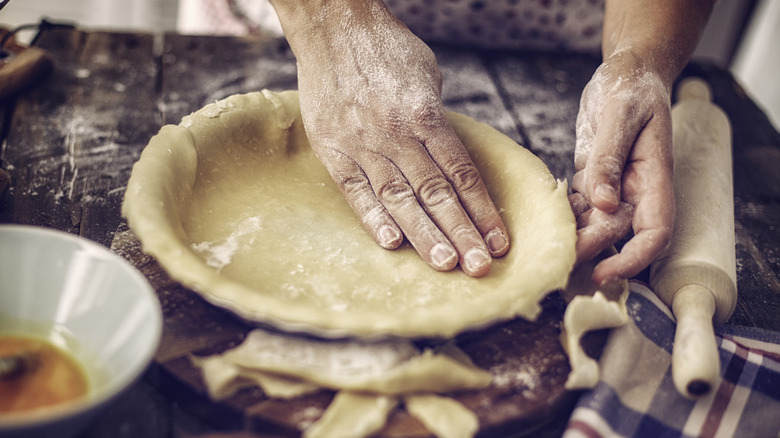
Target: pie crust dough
x,y
589,308
234,205
371,377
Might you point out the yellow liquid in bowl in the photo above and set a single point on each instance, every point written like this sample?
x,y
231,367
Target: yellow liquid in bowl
x,y
45,376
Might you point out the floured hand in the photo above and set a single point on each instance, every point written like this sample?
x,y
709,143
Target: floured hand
x,y
623,162
370,95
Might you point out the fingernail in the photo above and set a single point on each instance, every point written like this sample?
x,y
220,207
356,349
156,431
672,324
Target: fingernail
x,y
389,237
607,193
475,259
443,255
496,241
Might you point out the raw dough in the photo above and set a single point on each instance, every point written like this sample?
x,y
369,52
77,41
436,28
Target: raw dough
x,y
370,377
590,308
234,205
353,415
393,367
443,416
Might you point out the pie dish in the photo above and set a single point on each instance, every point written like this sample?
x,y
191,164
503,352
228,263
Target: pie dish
x,y
235,206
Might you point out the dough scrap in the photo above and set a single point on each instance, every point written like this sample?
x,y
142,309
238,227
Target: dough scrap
x,y
590,308
393,367
347,359
583,314
370,378
234,205
353,415
224,378
443,416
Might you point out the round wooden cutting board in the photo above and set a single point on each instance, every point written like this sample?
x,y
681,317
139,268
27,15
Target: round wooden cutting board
x,y
526,359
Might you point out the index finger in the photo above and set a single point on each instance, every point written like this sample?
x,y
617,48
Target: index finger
x,y
648,184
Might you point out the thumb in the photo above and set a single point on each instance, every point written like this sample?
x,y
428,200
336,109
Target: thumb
x,y
607,161
603,177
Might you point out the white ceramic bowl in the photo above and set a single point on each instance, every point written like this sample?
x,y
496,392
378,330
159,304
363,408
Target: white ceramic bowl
x,y
86,299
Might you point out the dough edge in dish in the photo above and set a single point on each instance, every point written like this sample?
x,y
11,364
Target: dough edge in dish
x,y
158,204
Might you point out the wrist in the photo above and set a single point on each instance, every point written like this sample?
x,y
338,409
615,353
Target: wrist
x,y
662,33
309,21
635,60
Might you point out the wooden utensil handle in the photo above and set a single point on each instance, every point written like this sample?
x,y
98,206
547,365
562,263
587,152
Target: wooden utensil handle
x,y
696,274
694,342
25,68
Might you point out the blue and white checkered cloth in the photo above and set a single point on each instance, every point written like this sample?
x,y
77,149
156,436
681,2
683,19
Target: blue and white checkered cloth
x,y
636,397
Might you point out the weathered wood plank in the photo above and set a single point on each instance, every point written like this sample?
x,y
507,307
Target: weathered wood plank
x,y
542,92
73,139
468,87
70,145
197,70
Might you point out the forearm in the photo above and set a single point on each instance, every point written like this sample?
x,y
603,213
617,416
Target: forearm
x,y
307,20
663,33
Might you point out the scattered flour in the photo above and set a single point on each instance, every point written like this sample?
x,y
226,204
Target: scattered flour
x,y
219,254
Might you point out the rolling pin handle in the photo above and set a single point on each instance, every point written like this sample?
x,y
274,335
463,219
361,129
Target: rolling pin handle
x,y
694,89
695,360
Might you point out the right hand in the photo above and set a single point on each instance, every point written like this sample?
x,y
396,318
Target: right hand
x,y
370,94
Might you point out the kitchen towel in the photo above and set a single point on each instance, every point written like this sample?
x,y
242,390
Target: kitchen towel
x,y
636,397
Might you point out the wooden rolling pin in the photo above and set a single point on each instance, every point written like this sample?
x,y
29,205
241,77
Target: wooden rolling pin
x,y
696,275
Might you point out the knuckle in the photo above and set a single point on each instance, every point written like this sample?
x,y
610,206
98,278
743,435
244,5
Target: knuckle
x,y
465,177
427,59
361,198
395,193
435,191
353,186
427,112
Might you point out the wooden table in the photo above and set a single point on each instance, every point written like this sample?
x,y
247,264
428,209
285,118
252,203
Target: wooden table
x,y
69,145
